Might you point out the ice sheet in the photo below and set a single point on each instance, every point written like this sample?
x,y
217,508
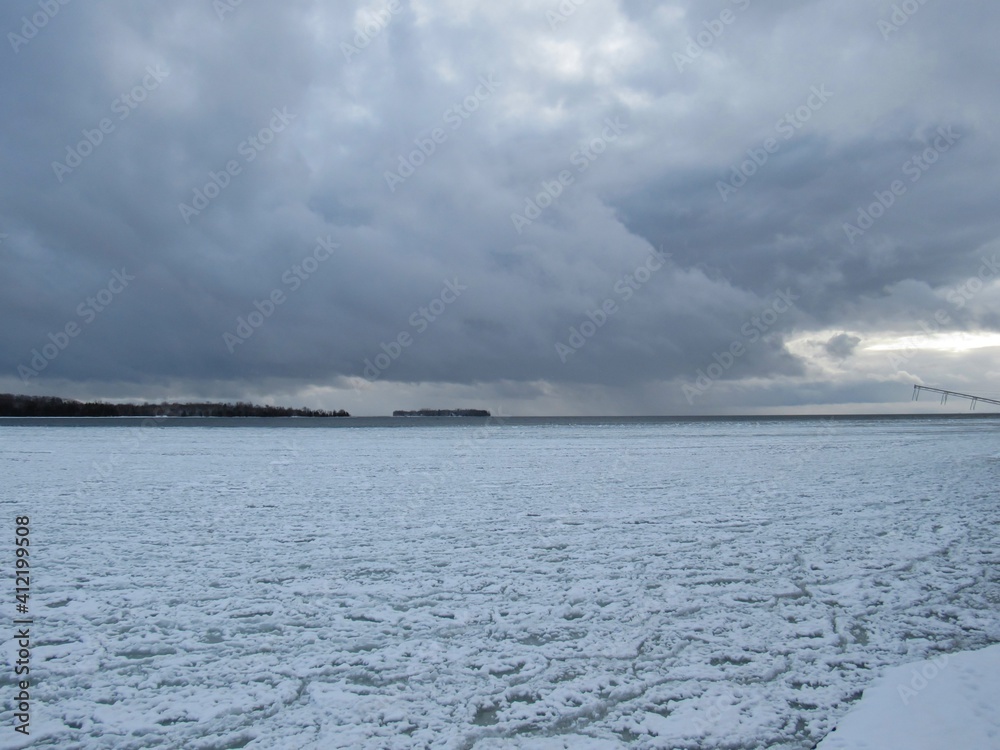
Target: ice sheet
x,y
706,585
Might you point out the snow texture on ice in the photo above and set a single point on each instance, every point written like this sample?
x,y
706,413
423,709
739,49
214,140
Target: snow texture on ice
x,y
692,585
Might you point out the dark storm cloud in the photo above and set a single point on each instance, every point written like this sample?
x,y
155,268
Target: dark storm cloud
x,y
842,345
742,138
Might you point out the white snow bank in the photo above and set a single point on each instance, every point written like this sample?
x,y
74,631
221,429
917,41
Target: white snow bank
x,y
950,702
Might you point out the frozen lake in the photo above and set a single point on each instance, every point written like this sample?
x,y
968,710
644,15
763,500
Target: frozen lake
x,y
629,585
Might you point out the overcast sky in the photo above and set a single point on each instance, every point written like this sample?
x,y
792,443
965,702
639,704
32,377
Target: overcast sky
x,y
589,207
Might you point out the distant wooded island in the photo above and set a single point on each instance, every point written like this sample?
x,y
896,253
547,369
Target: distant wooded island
x,y
12,405
442,413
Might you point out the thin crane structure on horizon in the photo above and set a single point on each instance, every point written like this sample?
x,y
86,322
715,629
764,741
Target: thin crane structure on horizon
x,y
945,394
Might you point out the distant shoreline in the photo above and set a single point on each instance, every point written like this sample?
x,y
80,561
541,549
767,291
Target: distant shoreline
x,y
15,405
442,413
445,422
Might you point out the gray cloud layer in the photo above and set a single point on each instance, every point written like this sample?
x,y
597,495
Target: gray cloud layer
x,y
736,138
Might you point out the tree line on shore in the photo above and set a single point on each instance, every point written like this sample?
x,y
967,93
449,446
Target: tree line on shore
x,y
442,413
12,405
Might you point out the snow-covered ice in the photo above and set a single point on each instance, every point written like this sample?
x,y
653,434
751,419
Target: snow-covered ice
x,y
682,585
951,701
